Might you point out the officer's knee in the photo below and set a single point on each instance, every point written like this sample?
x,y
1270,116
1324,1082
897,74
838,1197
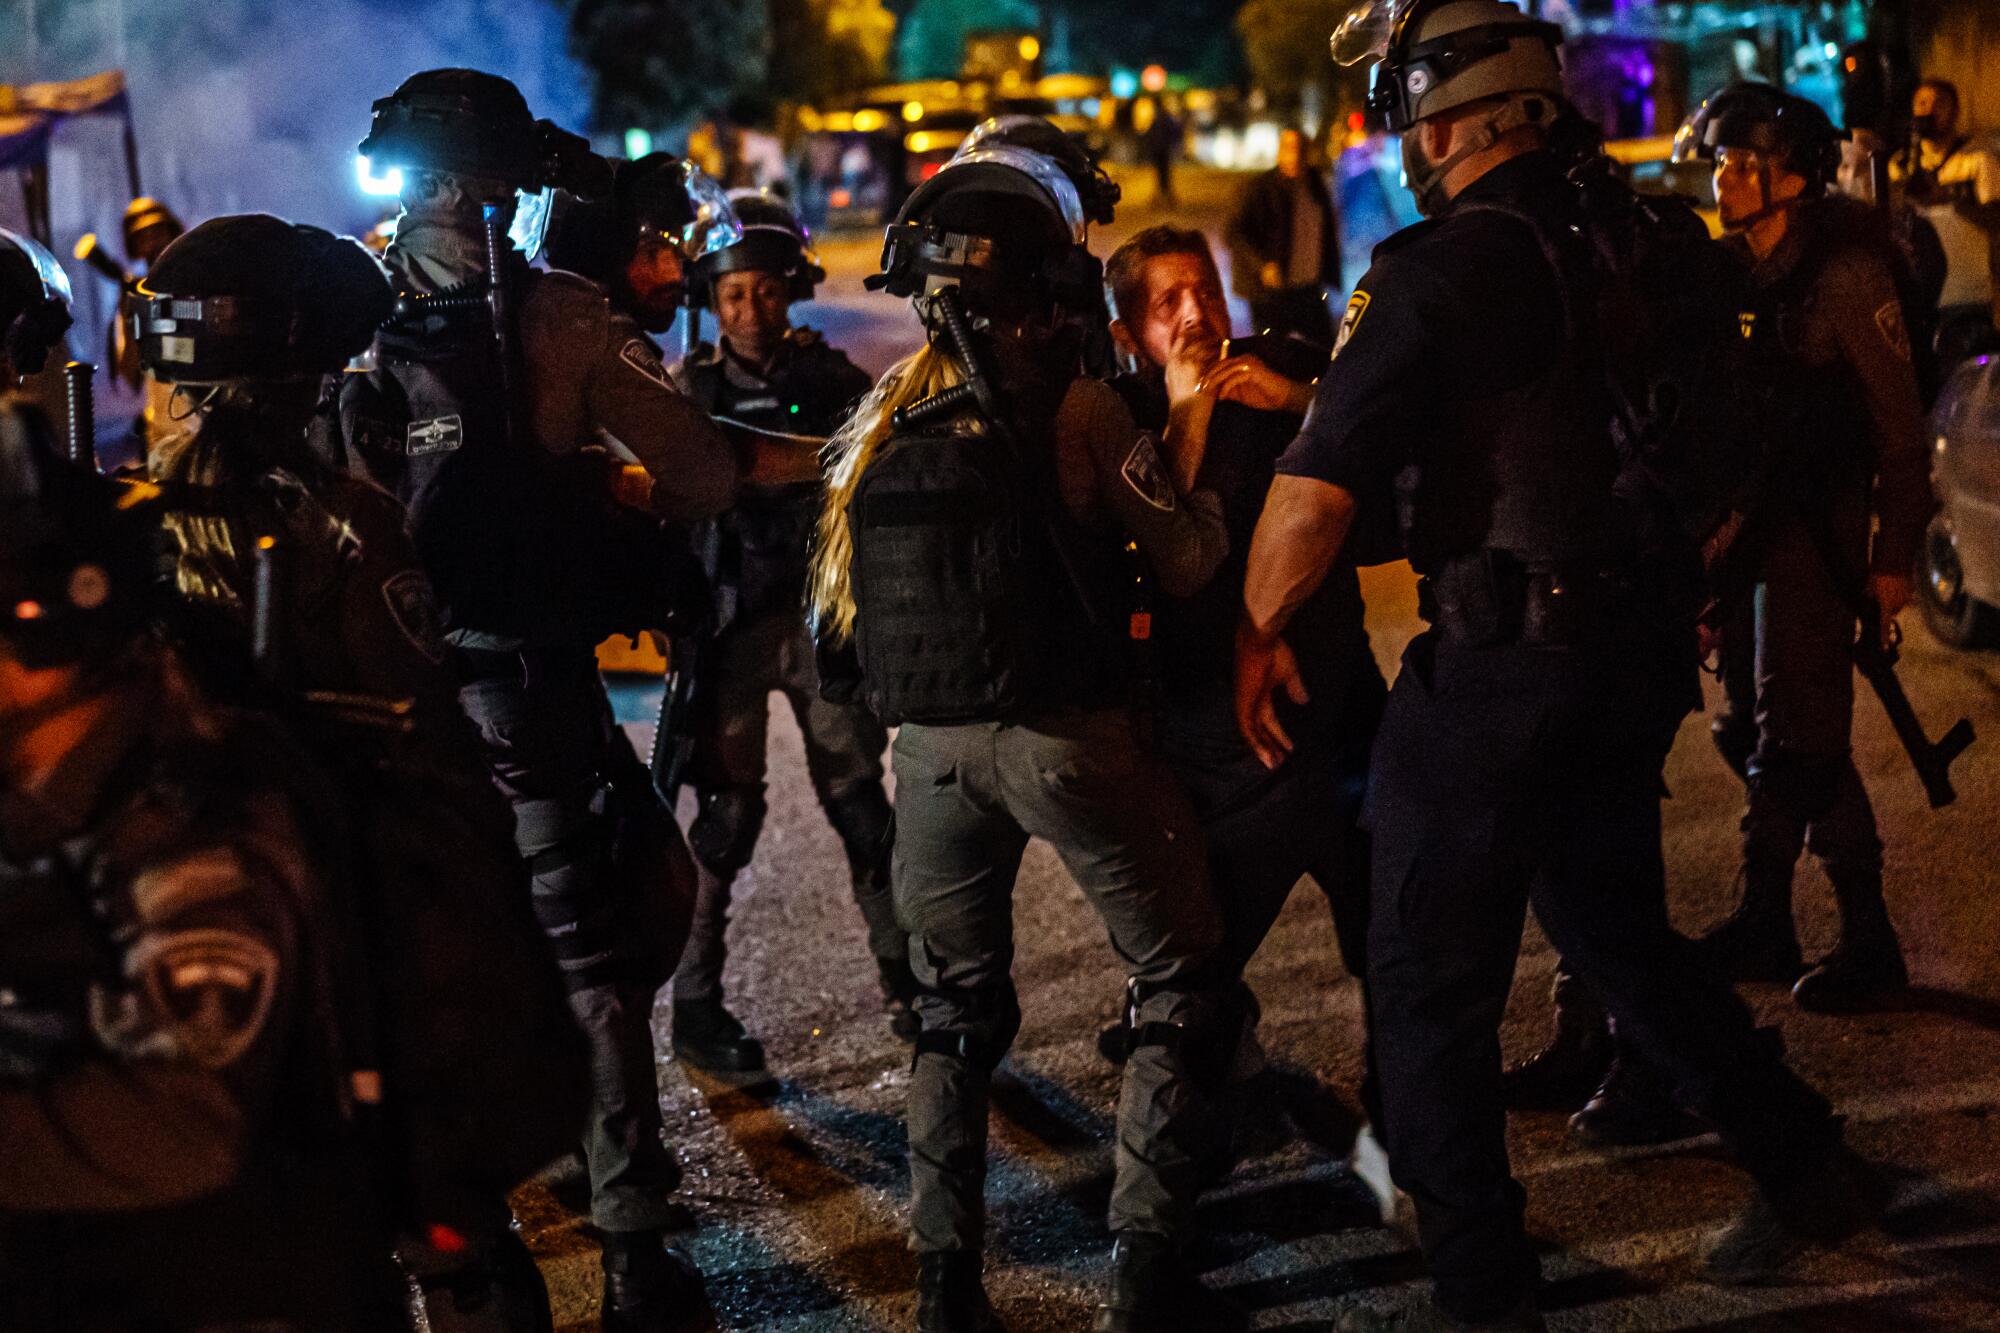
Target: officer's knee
x,y
1200,1032
725,831
987,1022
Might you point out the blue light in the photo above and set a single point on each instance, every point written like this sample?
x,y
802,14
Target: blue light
x,y
1124,84
389,183
638,143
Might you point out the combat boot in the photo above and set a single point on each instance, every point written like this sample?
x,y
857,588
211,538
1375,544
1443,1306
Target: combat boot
x,y
950,1297
899,993
1632,1107
1866,965
649,1288
1425,1317
1152,1291
1757,941
1561,1074
1825,1206
709,1037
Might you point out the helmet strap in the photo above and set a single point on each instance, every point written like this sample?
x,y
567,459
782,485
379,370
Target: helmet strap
x,y
1427,182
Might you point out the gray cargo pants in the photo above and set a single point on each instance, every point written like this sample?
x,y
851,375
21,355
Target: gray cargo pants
x,y
968,798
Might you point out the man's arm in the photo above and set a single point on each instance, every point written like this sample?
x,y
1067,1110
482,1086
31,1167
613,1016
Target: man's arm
x,y
631,397
1181,532
1298,537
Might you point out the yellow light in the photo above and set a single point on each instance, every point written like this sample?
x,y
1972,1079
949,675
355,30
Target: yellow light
x,y
868,120
839,122
913,112
809,119
1031,46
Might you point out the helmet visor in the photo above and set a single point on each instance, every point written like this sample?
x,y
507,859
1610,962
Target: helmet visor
x,y
530,228
1365,33
714,225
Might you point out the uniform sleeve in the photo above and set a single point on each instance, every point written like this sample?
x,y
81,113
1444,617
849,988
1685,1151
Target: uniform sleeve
x,y
1182,535
389,613
160,1103
1367,410
632,398
1867,318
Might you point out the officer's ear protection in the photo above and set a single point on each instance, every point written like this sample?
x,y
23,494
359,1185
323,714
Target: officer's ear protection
x,y
915,252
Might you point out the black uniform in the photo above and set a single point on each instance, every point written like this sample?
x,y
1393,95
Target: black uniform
x,y
178,1152
756,554
1520,757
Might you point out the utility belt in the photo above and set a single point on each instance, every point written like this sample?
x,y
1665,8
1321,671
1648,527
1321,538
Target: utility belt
x,y
1494,597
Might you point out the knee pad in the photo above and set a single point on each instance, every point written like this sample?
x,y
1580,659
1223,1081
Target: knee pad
x,y
573,901
724,832
1202,1037
1802,786
1735,740
988,1023
866,825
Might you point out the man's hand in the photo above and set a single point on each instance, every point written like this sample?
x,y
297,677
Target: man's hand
x,y
1273,276
1247,380
1893,593
1193,354
1265,665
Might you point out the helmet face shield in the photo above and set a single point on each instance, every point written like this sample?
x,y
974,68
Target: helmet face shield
x,y
1414,61
1366,31
713,225
530,228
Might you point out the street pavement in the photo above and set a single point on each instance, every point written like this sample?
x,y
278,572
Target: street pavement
x,y
800,1185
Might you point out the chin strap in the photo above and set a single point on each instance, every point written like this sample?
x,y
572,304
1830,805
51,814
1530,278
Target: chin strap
x,y
1515,112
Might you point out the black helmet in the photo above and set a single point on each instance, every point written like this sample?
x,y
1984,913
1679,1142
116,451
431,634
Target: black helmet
x,y
1435,55
34,302
774,239
1099,193
77,568
149,226
998,216
256,297
1763,119
467,123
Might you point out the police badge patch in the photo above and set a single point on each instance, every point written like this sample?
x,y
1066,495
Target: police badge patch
x,y
414,609
1350,319
437,435
1147,478
639,354
210,992
1889,319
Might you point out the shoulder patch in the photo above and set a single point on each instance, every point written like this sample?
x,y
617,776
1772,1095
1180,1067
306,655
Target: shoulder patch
x,y
207,995
1350,319
414,608
1889,319
437,435
640,355
1146,476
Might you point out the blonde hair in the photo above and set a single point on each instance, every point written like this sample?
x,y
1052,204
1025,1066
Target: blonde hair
x,y
848,455
210,564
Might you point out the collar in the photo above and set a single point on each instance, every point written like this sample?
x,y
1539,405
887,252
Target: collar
x,y
1529,175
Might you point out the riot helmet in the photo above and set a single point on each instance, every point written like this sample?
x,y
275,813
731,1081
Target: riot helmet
x,y
1779,129
34,303
1099,193
999,221
253,297
77,562
662,217
150,226
773,239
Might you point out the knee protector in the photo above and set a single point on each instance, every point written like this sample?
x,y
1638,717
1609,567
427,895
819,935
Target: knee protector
x,y
1735,740
573,901
988,1022
866,825
725,829
1202,1034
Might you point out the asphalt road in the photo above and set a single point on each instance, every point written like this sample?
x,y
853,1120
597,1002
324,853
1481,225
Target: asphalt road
x,y
801,1185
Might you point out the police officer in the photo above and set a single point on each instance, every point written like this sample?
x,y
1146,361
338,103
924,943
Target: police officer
x,y
179,1149
975,563
310,573
482,436
1266,830
1520,756
767,373
34,307
1850,457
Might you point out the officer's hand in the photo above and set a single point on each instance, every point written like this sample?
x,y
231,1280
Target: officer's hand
x,y
1273,276
1893,593
1265,665
1247,380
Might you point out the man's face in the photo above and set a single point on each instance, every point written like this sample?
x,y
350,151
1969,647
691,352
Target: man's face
x,y
656,283
1739,184
1933,112
753,308
1183,302
1291,152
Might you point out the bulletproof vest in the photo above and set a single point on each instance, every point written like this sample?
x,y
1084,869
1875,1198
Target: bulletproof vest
x,y
977,598
520,545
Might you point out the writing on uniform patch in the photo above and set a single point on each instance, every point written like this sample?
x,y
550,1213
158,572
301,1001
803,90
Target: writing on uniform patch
x,y
414,609
1350,319
1148,480
1889,319
639,354
437,435
209,993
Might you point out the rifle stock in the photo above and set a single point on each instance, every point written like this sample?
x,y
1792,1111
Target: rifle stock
x,y
1932,759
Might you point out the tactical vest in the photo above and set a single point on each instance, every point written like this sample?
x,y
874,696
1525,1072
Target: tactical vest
x,y
520,545
978,599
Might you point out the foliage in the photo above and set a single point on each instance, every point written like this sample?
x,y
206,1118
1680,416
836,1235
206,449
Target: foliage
x,y
1285,44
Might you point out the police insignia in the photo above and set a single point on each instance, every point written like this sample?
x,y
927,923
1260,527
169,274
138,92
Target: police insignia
x,y
1746,323
415,611
436,435
1889,319
210,991
1143,473
639,354
1350,319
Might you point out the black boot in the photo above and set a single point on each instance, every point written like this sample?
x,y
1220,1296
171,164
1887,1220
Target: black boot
x,y
1757,941
649,1288
899,993
1823,1207
1866,965
1633,1106
1560,1076
707,1036
1152,1291
950,1298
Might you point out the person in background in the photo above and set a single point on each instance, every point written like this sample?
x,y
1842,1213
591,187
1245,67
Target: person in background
x,y
1954,181
1284,246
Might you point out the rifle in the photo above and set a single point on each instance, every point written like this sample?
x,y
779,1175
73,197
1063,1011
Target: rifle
x,y
1875,656
673,735
80,416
